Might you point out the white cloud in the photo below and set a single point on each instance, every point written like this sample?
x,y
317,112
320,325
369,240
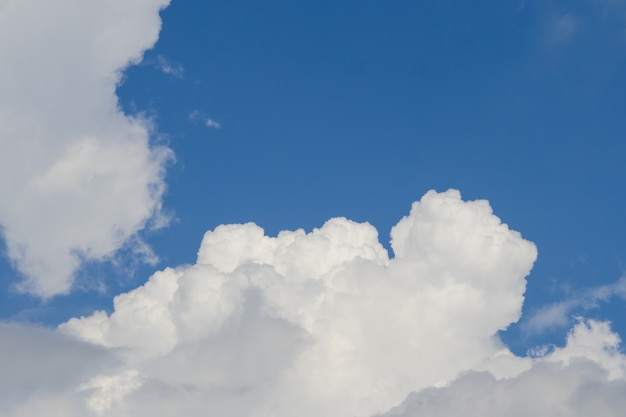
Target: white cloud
x,y
584,378
593,340
165,65
547,390
107,392
212,124
322,323
40,369
559,314
325,324
197,115
77,176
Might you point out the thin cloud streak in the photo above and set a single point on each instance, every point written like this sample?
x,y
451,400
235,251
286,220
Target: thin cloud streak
x,y
560,314
165,65
198,116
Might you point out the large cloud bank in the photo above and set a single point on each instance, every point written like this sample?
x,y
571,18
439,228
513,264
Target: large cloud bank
x,y
323,324
78,177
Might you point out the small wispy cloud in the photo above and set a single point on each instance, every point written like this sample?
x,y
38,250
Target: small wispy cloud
x,y
560,314
170,68
212,124
196,115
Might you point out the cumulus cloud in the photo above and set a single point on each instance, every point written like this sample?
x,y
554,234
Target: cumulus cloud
x,y
78,177
321,323
326,323
577,390
584,378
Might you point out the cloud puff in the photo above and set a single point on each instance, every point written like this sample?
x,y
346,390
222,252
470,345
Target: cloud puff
x,y
78,177
584,378
210,123
320,323
549,390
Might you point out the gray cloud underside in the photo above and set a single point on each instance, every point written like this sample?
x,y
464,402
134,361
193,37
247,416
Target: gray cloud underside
x,y
580,389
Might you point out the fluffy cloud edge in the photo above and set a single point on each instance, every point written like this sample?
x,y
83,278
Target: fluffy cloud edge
x,y
79,177
336,297
585,377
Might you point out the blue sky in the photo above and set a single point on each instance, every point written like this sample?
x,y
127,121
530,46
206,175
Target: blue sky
x,y
287,114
